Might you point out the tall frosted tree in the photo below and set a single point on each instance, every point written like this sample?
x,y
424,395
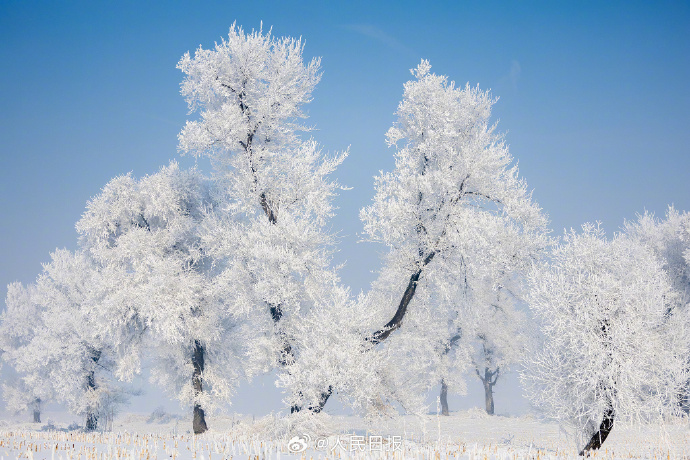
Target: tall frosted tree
x,y
613,349
456,218
249,93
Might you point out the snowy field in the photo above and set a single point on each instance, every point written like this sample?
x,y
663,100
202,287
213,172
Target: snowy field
x,y
464,435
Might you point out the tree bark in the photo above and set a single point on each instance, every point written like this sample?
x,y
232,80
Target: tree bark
x,y
489,398
395,322
606,424
91,414
444,386
199,419
489,379
323,399
91,421
444,398
37,410
272,216
600,436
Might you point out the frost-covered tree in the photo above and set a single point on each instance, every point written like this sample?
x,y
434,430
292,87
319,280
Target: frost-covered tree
x,y
20,397
455,216
612,348
74,342
19,324
669,239
501,336
330,358
65,352
500,340
249,93
449,373
152,228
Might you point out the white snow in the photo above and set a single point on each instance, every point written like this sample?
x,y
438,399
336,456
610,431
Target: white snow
x,y
465,435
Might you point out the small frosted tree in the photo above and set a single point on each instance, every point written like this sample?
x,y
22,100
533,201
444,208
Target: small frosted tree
x,y
66,354
612,350
501,335
20,397
450,375
454,215
330,356
19,324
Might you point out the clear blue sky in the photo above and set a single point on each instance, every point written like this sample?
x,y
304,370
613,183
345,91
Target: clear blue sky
x,y
594,99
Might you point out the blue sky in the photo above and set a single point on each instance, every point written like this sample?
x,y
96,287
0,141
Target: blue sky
x,y
593,99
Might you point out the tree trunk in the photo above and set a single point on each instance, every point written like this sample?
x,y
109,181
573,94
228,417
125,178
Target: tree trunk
x,y
382,334
37,410
606,425
444,398
319,406
91,413
199,419
395,322
600,436
444,387
489,379
91,421
323,400
488,397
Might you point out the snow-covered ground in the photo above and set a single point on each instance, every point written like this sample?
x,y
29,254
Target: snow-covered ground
x,y
466,435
